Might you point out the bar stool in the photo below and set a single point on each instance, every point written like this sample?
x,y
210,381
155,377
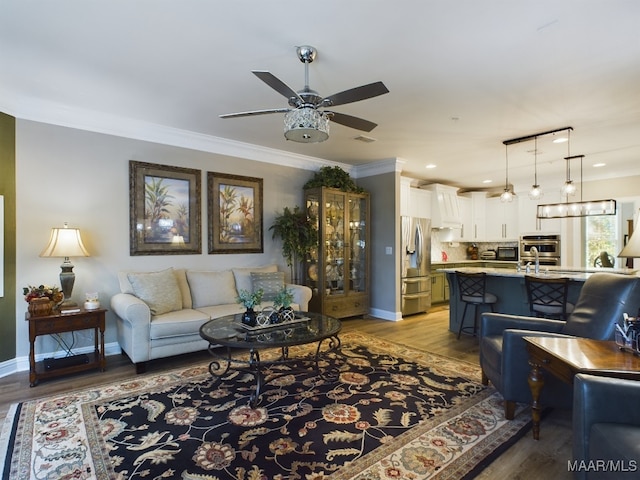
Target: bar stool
x,y
473,292
548,296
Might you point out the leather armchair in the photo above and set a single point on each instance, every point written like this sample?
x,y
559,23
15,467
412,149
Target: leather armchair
x,y
606,428
503,356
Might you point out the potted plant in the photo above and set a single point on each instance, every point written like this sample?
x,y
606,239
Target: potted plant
x,y
299,234
249,300
333,177
282,303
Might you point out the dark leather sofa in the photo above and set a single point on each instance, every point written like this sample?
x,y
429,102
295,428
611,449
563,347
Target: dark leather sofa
x,y
503,356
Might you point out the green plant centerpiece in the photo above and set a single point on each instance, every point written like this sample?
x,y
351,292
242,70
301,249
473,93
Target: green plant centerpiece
x,y
299,234
282,303
249,300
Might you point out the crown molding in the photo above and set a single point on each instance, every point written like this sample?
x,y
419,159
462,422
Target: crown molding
x,y
100,122
389,165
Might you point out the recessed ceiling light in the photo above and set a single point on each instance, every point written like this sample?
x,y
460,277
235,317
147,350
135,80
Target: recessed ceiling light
x,y
560,140
487,181
431,165
598,165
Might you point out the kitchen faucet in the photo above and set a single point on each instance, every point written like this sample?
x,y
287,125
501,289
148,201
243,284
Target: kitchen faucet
x,y
534,250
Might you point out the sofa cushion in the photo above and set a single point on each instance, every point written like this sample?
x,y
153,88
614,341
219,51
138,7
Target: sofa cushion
x,y
243,276
159,290
211,288
181,278
181,323
270,282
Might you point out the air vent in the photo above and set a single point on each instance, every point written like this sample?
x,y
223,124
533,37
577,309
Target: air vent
x,y
365,139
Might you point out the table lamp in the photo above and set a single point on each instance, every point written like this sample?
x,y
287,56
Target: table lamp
x,y
65,242
632,248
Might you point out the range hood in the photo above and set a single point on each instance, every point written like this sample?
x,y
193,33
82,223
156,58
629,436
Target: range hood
x,y
445,209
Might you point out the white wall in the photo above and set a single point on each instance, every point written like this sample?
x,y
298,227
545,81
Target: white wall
x,y
79,177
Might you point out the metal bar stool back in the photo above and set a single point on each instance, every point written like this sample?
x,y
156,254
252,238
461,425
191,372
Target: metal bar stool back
x,y
548,296
472,290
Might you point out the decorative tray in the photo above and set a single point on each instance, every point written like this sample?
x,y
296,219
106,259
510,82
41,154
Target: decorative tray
x,y
268,326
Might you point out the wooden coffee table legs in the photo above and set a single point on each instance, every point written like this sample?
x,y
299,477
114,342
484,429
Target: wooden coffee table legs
x,y
536,382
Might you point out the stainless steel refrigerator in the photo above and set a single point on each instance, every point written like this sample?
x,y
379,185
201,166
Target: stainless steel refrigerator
x,y
416,265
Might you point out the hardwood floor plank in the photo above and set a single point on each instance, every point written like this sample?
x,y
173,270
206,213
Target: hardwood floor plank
x,y
526,459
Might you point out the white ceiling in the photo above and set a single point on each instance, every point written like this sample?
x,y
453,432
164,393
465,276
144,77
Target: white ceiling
x,y
463,75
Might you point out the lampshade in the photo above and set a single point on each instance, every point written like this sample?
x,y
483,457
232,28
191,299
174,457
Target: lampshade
x,y
65,242
632,248
306,125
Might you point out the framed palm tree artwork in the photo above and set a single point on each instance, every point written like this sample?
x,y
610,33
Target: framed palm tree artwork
x,y
235,213
164,204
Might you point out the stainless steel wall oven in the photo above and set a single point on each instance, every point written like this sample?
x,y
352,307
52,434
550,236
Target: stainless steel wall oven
x,y
548,247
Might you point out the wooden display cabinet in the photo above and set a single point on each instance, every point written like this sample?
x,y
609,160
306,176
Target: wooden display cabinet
x,y
338,270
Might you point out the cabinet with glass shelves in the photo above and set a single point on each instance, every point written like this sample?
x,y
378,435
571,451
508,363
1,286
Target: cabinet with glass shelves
x,y
338,269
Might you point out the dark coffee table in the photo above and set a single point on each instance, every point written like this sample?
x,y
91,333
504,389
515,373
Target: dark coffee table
x,y
229,332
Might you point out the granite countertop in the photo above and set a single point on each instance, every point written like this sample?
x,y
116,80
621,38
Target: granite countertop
x,y
573,273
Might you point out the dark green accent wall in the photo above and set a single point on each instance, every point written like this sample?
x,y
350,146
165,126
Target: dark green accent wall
x,y
8,189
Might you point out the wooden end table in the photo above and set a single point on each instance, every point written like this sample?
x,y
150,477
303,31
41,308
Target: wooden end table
x,y
66,322
564,357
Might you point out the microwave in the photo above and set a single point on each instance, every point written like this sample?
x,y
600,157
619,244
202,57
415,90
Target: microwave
x,y
507,254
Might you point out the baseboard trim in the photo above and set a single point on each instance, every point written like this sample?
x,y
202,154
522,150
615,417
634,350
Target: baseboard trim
x,y
385,314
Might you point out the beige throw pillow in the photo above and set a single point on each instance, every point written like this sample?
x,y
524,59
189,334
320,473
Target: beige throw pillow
x,y
212,288
271,283
159,290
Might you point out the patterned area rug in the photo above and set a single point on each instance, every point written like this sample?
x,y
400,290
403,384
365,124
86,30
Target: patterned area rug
x,y
391,413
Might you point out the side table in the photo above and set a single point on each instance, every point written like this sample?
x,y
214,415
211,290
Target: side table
x,y
66,322
564,357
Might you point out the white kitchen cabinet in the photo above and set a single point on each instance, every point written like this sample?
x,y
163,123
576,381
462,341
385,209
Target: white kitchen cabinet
x,y
464,234
502,220
420,203
414,202
527,209
478,216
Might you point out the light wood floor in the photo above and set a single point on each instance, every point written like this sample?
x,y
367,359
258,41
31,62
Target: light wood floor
x,y
527,459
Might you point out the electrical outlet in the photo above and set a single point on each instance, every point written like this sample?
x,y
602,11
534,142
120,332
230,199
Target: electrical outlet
x,y
388,250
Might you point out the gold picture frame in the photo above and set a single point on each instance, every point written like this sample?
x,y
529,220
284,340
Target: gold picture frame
x,y
235,213
164,204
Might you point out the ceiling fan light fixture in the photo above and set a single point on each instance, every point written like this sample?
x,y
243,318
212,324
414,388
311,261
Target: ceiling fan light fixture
x,y
306,125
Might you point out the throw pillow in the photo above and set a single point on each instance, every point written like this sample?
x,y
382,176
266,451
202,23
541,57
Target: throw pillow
x,y
212,288
270,282
243,276
159,290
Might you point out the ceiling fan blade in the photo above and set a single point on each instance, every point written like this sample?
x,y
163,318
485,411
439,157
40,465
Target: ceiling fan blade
x,y
277,84
350,121
254,112
355,94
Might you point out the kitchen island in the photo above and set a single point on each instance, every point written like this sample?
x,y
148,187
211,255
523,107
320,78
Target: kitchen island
x,y
508,285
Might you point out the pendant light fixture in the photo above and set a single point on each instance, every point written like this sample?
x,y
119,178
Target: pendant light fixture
x,y
536,192
507,195
577,209
568,188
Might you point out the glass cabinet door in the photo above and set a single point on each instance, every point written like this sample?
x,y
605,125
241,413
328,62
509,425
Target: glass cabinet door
x,y
311,272
357,244
334,242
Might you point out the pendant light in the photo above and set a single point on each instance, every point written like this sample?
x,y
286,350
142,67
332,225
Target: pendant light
x,y
536,192
577,209
507,195
569,188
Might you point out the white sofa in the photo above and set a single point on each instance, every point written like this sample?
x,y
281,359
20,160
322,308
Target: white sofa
x,y
159,314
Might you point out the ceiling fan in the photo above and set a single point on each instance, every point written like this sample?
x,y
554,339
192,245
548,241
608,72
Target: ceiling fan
x,y
307,121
